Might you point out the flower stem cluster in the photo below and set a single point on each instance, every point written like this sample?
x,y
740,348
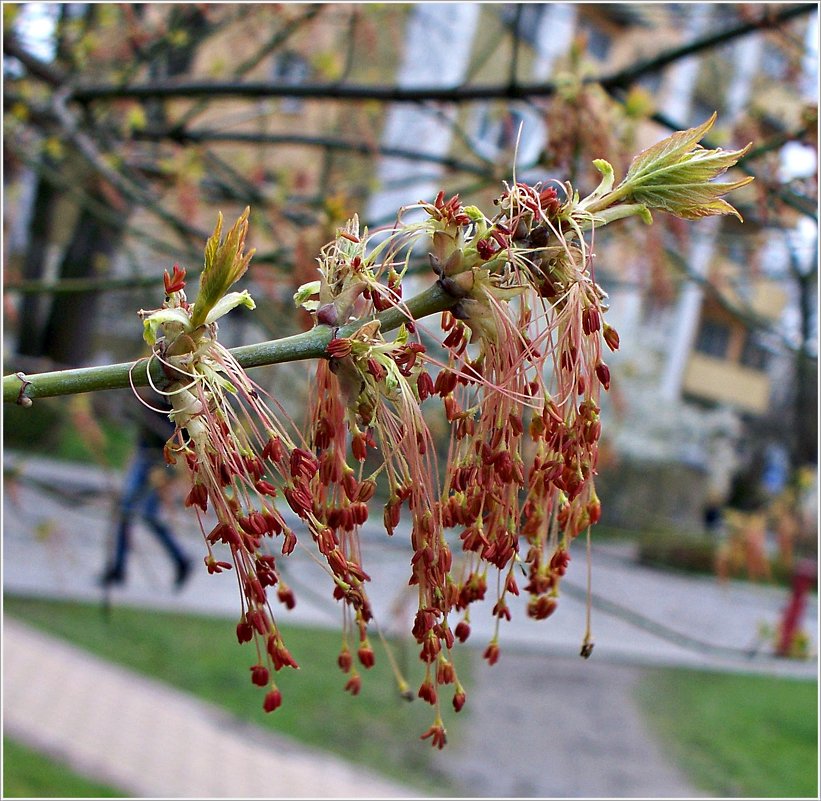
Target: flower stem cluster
x,y
518,374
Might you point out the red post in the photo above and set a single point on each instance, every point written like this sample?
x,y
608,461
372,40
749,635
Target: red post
x,y
804,578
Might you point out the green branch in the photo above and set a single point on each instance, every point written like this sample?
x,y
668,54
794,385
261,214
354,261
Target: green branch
x,y
309,345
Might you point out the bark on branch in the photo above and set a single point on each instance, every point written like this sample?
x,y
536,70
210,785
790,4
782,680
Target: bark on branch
x,y
299,347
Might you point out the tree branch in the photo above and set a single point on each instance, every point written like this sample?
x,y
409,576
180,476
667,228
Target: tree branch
x,y
299,347
398,94
201,136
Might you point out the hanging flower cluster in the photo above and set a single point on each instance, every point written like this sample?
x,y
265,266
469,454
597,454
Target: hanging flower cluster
x,y
518,370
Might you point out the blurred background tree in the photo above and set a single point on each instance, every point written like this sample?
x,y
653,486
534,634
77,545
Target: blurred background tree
x,y
128,126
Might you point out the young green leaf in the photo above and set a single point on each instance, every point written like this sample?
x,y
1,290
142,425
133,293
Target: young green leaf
x,y
675,175
225,263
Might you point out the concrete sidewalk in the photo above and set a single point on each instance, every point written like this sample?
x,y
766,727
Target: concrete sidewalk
x,y
150,740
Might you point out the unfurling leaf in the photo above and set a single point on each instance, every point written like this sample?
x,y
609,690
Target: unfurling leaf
x,y
225,263
675,175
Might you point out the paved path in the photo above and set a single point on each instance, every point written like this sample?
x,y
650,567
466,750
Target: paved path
x,y
150,740
558,725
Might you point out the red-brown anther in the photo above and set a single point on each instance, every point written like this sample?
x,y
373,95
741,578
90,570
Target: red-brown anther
x,y
462,630
245,631
259,620
254,591
445,634
424,386
445,383
445,672
359,448
594,511
378,371
603,374
299,499
592,432
290,542
455,339
492,653
459,698
348,235
438,736
303,464
273,449
431,648
366,656
502,237
357,572
515,421
541,607
338,348
391,515
337,562
175,282
427,692
359,513
559,561
260,675
485,249
273,522
510,585
354,684
286,596
611,337
253,466
214,566
323,433
350,485
273,700
344,660
366,490
423,622
265,488
222,532
280,655
197,496
591,320
452,408
501,610
549,201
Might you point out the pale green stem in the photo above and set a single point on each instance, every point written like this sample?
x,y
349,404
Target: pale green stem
x,y
309,345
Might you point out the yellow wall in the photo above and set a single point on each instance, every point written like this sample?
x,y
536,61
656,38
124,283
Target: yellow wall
x,y
722,381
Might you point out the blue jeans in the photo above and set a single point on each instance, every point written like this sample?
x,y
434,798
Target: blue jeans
x,y
139,496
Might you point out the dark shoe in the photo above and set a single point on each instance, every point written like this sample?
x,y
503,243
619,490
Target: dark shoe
x,y
112,576
183,571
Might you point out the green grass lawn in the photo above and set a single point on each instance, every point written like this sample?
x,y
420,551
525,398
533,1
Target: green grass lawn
x,y
29,774
737,735
200,655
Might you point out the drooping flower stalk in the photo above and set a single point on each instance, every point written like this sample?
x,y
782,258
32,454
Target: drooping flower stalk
x,y
519,380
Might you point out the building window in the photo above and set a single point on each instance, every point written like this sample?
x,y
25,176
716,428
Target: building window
x,y
713,339
753,354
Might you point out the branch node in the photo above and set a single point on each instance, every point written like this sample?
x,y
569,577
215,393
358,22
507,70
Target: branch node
x,y
22,399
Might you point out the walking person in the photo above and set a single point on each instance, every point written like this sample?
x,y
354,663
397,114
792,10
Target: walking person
x,y
141,496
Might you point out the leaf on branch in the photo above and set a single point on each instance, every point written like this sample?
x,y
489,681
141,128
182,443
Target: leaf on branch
x,y
225,263
675,175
